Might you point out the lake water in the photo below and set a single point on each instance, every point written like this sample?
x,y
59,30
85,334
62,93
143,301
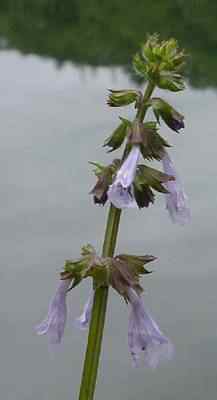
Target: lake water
x,y
53,121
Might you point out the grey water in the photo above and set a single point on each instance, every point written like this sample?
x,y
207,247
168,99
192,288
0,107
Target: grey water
x,y
54,119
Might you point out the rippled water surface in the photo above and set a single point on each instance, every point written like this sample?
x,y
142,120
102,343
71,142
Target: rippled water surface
x,y
53,121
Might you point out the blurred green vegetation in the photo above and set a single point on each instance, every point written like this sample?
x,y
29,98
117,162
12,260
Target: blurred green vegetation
x,y
108,32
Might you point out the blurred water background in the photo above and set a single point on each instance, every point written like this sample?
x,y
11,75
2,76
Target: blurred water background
x,y
57,60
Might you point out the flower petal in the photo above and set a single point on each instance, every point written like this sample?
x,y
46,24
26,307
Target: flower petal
x,y
121,197
82,322
176,199
54,323
145,336
126,173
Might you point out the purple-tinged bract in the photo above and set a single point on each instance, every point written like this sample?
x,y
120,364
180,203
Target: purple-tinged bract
x,y
54,324
145,336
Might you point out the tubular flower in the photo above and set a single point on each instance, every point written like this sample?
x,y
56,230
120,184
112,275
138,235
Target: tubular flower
x,y
145,335
176,199
54,324
83,321
120,192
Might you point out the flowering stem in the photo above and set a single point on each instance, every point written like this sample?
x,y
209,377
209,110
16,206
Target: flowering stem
x,y
94,344
142,110
91,362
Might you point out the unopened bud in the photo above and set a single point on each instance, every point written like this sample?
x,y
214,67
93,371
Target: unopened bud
x,y
170,116
118,98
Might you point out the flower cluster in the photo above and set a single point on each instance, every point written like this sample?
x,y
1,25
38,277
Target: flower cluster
x,y
126,183
161,62
129,184
122,272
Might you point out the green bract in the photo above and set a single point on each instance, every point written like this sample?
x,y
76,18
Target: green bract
x,y
153,147
147,179
121,272
115,140
89,265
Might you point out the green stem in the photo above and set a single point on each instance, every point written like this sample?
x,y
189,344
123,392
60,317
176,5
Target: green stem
x,y
91,362
97,323
148,92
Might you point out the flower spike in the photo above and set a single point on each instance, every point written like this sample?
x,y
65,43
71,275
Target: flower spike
x,y
127,184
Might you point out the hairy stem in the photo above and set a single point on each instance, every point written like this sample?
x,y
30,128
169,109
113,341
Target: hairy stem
x,y
97,323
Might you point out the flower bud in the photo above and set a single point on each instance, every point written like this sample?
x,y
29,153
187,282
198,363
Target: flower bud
x,y
170,81
160,62
105,176
118,98
170,116
100,191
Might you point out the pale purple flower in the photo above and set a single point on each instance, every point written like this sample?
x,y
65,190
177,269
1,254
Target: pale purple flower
x,y
83,321
145,336
120,192
126,173
54,324
176,199
120,197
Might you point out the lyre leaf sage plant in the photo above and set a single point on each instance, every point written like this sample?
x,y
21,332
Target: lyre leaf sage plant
x,y
129,182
